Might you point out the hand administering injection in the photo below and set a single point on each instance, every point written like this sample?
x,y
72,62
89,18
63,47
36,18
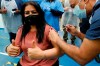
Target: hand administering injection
x,y
54,37
71,29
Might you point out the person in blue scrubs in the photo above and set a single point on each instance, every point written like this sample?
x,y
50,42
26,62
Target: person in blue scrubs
x,y
53,10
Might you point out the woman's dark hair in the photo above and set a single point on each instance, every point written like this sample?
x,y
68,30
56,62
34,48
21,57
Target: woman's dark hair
x,y
40,27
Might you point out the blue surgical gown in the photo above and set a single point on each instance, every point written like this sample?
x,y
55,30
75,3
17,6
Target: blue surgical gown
x,y
38,1
49,17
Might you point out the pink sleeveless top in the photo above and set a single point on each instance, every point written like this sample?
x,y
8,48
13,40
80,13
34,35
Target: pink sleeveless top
x,y
27,43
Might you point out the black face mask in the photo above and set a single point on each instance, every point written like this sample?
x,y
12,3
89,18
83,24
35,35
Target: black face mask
x,y
32,20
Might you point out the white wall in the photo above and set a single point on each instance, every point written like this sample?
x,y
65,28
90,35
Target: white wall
x,y
1,22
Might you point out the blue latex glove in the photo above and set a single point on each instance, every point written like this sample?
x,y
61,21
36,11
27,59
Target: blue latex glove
x,y
45,8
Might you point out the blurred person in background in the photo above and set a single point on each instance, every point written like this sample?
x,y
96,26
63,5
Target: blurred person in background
x,y
53,10
69,18
10,10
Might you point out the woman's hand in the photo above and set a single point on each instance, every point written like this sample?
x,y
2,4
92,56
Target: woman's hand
x,y
35,52
13,50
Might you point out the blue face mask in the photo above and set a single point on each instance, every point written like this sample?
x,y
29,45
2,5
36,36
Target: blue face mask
x,y
81,13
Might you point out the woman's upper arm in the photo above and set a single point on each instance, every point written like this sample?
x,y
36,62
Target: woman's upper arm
x,y
18,36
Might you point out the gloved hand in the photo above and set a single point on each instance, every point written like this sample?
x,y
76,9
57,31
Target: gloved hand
x,y
46,8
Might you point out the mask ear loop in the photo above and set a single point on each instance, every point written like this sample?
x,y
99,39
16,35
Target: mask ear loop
x,y
79,2
85,4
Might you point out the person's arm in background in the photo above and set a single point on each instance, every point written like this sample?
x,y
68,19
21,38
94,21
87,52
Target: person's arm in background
x,y
66,8
83,54
16,11
19,4
3,10
59,10
56,12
